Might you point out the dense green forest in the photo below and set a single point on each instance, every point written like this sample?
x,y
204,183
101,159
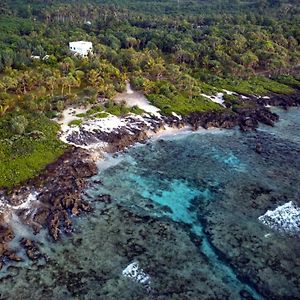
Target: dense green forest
x,y
173,50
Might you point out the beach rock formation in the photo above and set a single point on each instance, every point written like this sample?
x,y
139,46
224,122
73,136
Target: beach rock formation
x,y
50,200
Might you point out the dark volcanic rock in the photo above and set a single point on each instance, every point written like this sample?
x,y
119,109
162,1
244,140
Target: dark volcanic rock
x,y
6,235
105,198
31,248
226,119
245,295
58,190
248,116
258,148
282,100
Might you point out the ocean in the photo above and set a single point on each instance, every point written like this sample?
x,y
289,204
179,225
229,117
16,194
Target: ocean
x,y
193,215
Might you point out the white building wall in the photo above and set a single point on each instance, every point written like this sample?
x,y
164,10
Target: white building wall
x,y
81,48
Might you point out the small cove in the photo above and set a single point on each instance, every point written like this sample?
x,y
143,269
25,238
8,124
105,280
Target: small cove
x,y
185,207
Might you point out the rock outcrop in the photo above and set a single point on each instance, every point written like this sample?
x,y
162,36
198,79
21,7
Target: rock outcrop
x,y
57,195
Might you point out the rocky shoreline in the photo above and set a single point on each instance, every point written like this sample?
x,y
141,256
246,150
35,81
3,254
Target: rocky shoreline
x,y
50,200
254,110
55,195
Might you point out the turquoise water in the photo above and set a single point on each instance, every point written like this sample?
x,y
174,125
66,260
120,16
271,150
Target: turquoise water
x,y
185,208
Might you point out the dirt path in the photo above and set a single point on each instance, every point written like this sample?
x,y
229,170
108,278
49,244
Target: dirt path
x,y
134,98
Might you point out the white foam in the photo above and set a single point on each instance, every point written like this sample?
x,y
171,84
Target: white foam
x,y
32,197
285,218
19,228
109,161
26,204
134,272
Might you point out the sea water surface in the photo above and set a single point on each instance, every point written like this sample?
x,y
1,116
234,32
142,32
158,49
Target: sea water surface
x,y
178,218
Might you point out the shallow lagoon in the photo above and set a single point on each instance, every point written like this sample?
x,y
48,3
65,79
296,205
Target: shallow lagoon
x,y
186,209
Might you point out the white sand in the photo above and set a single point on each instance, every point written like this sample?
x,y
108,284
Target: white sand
x,y
106,126
134,98
229,92
219,98
69,115
168,131
129,124
177,116
244,97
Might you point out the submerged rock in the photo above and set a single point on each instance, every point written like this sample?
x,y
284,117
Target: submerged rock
x,y
6,235
31,248
258,148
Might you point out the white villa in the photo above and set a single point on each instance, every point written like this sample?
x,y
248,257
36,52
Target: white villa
x,y
81,48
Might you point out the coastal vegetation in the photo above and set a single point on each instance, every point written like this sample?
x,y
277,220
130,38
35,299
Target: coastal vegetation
x,y
28,141
182,105
172,51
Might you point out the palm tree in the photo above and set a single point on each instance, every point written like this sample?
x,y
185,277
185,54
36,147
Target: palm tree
x,y
26,81
6,104
71,82
50,83
8,83
64,81
93,78
79,75
3,109
2,86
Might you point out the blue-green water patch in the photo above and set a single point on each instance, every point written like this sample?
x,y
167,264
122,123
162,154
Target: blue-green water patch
x,y
131,184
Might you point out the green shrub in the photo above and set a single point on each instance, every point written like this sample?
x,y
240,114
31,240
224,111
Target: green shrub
x,y
19,124
82,115
101,115
75,123
136,110
253,86
182,105
23,157
289,80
